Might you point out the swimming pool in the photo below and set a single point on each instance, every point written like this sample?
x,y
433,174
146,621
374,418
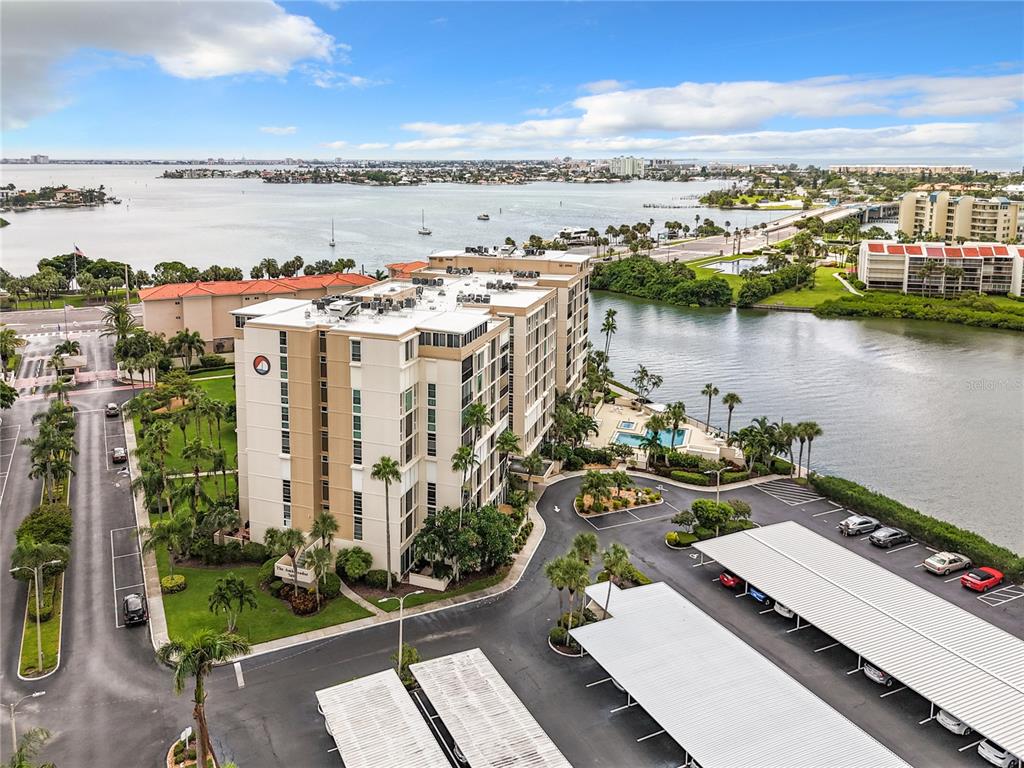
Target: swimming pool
x,y
627,424
664,437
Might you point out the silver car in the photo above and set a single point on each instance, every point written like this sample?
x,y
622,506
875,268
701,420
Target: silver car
x,y
943,563
889,537
950,723
857,524
996,755
878,676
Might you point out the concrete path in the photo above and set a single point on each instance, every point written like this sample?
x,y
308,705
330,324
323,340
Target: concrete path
x,y
846,285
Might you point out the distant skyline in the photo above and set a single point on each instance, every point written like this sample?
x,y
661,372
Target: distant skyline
x,y
917,82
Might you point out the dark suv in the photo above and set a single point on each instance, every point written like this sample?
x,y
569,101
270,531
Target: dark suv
x,y
134,609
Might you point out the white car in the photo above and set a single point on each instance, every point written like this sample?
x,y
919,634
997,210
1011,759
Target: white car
x,y
944,563
996,755
878,675
782,610
950,723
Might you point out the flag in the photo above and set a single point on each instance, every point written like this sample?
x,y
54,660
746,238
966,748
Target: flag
x,y
78,251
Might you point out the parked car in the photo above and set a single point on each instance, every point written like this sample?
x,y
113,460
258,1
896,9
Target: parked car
x,y
119,455
996,755
950,723
112,409
729,580
944,563
888,537
880,677
981,579
135,612
760,596
782,610
857,524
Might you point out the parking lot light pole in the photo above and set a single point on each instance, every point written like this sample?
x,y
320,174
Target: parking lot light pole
x,y
39,636
14,705
718,481
401,610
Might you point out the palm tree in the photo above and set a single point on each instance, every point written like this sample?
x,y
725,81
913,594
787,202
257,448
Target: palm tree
x,y
173,533
156,442
386,471
787,435
186,344
577,578
195,658
811,431
118,320
222,515
29,745
290,541
555,572
195,452
801,435
710,391
730,400
231,595
10,343
463,460
477,418
585,546
651,441
608,328
325,525
319,560
533,465
69,347
615,559
676,416
507,445
218,411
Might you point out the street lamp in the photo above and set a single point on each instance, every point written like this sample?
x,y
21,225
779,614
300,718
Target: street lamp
x,y
401,610
14,705
39,635
718,481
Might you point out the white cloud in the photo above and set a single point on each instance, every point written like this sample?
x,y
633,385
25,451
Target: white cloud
x,y
603,86
374,145
279,130
325,77
335,144
189,40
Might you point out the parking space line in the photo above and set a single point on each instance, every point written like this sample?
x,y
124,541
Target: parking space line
x,y
826,512
900,549
10,461
825,647
238,675
113,582
972,744
130,554
598,682
930,549
130,586
894,690
955,578
650,736
125,528
919,565
766,610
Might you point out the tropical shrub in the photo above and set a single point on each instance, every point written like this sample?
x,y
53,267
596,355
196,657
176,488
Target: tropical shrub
x,y
672,282
330,585
579,618
277,586
212,361
303,602
938,533
254,552
171,584
690,477
672,538
353,564
558,636
378,578
520,540
265,574
975,311
47,597
734,477
47,523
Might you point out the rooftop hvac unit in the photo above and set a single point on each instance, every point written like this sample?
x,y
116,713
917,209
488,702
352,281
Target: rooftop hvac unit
x,y
448,269
490,286
441,293
513,286
410,302
380,310
439,282
416,281
487,299
419,290
469,270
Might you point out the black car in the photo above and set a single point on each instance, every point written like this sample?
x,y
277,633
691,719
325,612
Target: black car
x,y
135,612
889,537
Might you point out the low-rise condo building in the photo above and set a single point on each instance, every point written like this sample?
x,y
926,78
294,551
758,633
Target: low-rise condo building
x,y
942,216
939,269
206,306
327,388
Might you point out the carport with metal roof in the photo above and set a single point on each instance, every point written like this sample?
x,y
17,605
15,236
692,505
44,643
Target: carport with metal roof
x,y
952,658
375,724
727,705
488,722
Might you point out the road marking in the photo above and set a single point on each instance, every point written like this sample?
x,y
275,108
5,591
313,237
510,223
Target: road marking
x,y
10,461
955,578
238,675
1002,595
919,565
900,549
130,554
717,578
650,736
930,549
972,744
827,512
598,682
895,690
825,647
131,586
766,610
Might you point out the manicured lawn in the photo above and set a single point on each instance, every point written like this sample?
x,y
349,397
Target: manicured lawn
x,y
218,389
175,464
51,639
188,611
825,287
57,302
213,373
214,487
429,597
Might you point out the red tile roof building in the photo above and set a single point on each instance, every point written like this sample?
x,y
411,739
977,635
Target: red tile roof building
x,y
936,269
206,306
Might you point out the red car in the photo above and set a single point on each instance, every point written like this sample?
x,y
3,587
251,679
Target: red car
x,y
981,579
728,580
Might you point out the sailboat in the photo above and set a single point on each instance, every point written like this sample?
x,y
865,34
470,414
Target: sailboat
x,y
423,230
332,234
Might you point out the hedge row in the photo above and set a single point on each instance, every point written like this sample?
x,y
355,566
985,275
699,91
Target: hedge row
x,y
938,533
47,598
693,478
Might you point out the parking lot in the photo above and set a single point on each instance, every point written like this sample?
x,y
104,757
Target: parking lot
x,y
126,568
608,520
113,437
8,445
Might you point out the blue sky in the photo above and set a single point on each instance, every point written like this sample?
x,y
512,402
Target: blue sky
x,y
914,81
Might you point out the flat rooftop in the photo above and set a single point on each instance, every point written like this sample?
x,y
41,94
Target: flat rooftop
x,y
500,252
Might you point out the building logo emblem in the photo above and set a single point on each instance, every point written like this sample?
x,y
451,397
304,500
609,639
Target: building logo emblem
x,y
261,365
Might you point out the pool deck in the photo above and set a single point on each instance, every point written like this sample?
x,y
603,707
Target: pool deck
x,y
609,416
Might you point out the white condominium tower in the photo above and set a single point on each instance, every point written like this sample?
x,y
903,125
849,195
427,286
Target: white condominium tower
x,y
325,388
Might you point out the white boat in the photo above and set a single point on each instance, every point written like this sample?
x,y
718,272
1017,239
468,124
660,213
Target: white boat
x,y
423,230
332,234
483,217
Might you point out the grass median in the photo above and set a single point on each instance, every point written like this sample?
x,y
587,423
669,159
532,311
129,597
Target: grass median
x,y
50,631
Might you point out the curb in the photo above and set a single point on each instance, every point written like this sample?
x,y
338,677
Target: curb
x,y
563,653
591,515
60,638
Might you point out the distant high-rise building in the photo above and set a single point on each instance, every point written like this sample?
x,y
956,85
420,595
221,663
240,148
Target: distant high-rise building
x,y
627,167
940,215
40,159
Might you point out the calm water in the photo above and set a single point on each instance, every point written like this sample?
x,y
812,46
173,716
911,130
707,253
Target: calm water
x,y
927,413
240,221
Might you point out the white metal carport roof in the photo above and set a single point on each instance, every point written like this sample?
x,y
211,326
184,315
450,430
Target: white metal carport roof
x,y
722,701
489,723
375,724
958,661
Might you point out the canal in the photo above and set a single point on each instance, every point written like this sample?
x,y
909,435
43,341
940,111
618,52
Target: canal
x,y
927,413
